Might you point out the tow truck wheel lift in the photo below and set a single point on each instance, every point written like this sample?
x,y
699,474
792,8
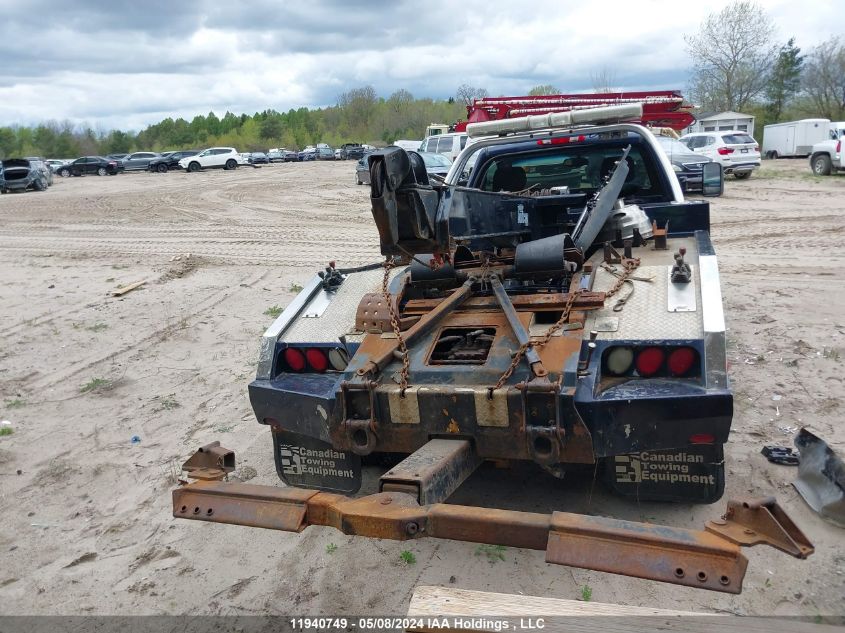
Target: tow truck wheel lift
x,y
410,505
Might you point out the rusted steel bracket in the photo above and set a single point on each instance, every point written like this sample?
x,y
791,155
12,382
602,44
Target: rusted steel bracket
x,y
696,558
432,473
755,521
211,462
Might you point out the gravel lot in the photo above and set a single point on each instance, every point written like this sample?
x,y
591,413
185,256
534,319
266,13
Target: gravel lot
x,y
87,525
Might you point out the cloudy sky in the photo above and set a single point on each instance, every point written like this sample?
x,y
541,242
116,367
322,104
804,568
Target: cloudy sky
x,y
125,64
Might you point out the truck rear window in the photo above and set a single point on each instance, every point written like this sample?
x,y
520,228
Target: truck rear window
x,y
579,168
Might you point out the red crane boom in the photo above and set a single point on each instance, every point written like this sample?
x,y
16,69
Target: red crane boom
x,y
661,108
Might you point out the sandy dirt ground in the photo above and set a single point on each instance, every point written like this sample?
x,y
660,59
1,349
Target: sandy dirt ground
x,y
87,526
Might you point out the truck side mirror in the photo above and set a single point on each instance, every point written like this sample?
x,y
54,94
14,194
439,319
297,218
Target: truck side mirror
x,y
713,180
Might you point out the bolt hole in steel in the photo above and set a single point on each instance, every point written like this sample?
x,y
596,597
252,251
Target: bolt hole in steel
x,y
196,510
209,512
679,572
412,528
724,580
184,508
360,437
702,576
543,446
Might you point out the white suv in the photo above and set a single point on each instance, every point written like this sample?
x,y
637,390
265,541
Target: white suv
x,y
449,145
221,157
735,150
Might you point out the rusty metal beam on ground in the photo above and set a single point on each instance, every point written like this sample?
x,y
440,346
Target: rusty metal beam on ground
x,y
434,472
695,558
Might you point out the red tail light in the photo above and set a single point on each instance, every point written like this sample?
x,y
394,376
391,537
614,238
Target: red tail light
x,y
681,361
294,359
702,438
317,359
649,361
838,146
724,151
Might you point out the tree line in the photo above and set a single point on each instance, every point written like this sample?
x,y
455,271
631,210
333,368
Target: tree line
x,y
738,65
359,116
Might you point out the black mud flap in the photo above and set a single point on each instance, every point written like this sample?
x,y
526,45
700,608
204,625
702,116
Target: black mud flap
x,y
695,474
306,462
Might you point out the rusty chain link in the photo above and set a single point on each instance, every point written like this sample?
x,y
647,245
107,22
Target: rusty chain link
x,y
629,266
517,357
394,323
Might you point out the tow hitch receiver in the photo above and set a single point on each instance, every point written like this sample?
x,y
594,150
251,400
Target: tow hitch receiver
x,y
709,559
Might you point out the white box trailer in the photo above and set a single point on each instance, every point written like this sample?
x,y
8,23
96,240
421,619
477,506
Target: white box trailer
x,y
794,138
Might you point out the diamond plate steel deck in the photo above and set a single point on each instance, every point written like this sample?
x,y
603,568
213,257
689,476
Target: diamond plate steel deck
x,y
645,316
338,319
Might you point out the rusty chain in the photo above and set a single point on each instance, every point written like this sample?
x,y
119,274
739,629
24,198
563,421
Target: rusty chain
x,y
394,323
629,266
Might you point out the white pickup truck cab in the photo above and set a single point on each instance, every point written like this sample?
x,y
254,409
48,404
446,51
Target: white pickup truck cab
x,y
828,157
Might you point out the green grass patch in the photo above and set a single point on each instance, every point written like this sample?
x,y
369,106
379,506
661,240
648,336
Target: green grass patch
x,y
17,403
167,403
586,593
408,557
97,327
494,553
6,430
331,548
94,384
295,288
274,311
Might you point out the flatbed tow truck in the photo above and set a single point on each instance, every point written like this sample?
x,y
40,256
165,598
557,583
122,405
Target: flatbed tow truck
x,y
555,300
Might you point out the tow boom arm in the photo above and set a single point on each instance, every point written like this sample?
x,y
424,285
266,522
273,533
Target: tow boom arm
x,y
708,559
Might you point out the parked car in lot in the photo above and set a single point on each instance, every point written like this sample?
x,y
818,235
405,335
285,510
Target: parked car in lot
x,y
118,158
309,153
170,160
258,158
275,156
213,158
362,172
351,151
20,174
55,163
687,165
325,153
40,163
139,160
736,151
290,156
449,144
89,165
436,165
827,156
